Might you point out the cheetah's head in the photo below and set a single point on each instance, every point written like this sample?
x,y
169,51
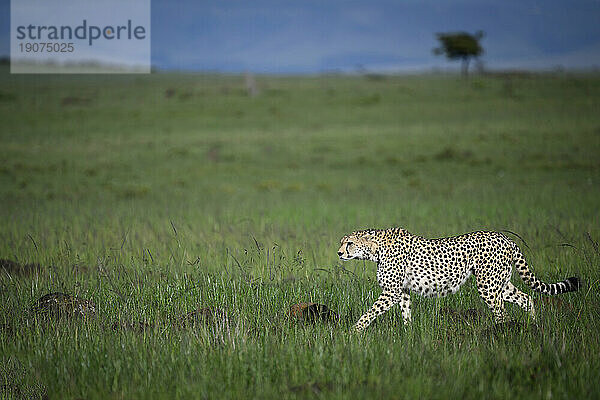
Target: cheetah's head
x,y
359,245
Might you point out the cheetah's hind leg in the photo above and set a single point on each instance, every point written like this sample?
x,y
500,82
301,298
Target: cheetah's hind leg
x,y
523,300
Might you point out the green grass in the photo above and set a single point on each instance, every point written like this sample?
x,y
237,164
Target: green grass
x,y
154,195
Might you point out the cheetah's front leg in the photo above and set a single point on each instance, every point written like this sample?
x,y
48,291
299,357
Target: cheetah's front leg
x,y
405,306
386,300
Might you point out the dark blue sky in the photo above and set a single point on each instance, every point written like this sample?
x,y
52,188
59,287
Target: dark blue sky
x,y
315,36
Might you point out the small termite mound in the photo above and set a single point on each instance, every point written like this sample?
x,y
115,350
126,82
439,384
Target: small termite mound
x,y
312,313
63,305
204,316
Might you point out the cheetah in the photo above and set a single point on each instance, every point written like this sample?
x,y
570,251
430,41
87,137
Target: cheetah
x,y
436,267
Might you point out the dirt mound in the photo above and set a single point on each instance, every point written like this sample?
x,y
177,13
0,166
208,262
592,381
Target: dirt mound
x,y
207,316
170,92
312,312
13,267
63,305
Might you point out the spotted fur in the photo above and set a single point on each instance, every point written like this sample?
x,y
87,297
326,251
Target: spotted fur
x,y
436,267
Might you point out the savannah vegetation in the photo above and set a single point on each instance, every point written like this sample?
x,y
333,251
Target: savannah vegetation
x,y
460,46
154,196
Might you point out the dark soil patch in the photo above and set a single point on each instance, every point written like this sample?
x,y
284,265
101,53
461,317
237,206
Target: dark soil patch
x,y
312,312
312,387
13,267
450,153
508,328
170,92
63,305
75,101
213,153
469,316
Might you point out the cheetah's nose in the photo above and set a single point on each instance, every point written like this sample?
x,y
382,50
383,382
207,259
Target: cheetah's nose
x,y
340,253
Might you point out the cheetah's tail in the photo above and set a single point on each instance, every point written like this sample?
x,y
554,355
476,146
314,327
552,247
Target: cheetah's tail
x,y
568,285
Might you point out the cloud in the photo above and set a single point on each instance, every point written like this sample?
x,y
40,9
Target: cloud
x,y
312,36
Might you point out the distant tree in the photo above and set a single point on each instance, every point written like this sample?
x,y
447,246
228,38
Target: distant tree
x,y
460,46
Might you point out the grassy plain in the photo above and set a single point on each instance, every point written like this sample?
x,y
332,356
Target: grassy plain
x,y
154,195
